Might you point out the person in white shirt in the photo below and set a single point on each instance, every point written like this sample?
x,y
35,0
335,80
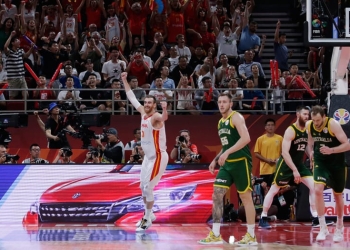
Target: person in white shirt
x,y
236,93
161,93
69,95
3,74
227,42
137,139
147,59
114,67
112,26
34,158
206,69
89,68
181,49
29,10
173,58
96,36
10,10
277,97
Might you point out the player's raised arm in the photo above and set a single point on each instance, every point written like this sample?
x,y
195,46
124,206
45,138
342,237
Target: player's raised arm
x,y
164,116
130,94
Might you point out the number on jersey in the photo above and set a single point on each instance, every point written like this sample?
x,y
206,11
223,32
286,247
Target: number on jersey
x,y
301,147
224,141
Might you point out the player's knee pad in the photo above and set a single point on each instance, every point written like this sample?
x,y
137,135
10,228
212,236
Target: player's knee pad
x,y
148,193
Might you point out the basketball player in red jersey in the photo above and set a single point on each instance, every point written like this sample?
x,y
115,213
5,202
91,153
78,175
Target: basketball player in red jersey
x,y
153,142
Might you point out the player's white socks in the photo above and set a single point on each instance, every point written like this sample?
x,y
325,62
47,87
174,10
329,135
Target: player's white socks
x,y
322,221
314,213
148,214
251,230
216,229
263,214
340,223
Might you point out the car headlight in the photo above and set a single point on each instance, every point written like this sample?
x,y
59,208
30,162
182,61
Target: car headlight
x,y
163,198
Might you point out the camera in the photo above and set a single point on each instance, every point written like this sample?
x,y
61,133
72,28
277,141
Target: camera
x,y
137,157
62,134
12,157
66,152
258,181
195,156
39,161
93,152
182,139
103,137
138,57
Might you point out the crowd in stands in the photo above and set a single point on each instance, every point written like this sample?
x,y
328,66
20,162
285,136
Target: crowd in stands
x,y
185,52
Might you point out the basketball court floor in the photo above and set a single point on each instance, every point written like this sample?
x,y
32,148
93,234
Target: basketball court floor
x,y
283,235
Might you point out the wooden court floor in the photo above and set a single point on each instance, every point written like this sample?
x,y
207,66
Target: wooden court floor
x,y
283,235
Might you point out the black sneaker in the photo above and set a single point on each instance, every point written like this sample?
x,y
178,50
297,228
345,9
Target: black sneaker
x,y
316,222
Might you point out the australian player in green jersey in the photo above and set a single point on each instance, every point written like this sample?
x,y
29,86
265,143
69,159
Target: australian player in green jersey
x,y
235,167
327,143
291,166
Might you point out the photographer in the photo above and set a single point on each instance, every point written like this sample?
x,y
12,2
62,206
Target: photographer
x,y
113,152
6,158
92,156
186,156
54,128
181,142
137,154
259,191
34,151
63,156
3,152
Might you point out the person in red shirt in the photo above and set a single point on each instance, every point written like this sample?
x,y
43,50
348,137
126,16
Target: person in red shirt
x,y
193,10
43,93
94,12
157,23
202,37
76,6
183,141
294,93
136,15
176,20
139,68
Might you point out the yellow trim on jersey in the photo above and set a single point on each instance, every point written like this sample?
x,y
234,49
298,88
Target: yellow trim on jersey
x,y
298,128
224,120
323,125
247,170
231,124
274,182
318,182
307,176
329,127
309,126
293,131
278,168
238,159
215,185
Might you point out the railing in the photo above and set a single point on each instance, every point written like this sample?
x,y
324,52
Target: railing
x,y
271,104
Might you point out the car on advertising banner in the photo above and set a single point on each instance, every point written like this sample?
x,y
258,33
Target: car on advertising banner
x,y
182,195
